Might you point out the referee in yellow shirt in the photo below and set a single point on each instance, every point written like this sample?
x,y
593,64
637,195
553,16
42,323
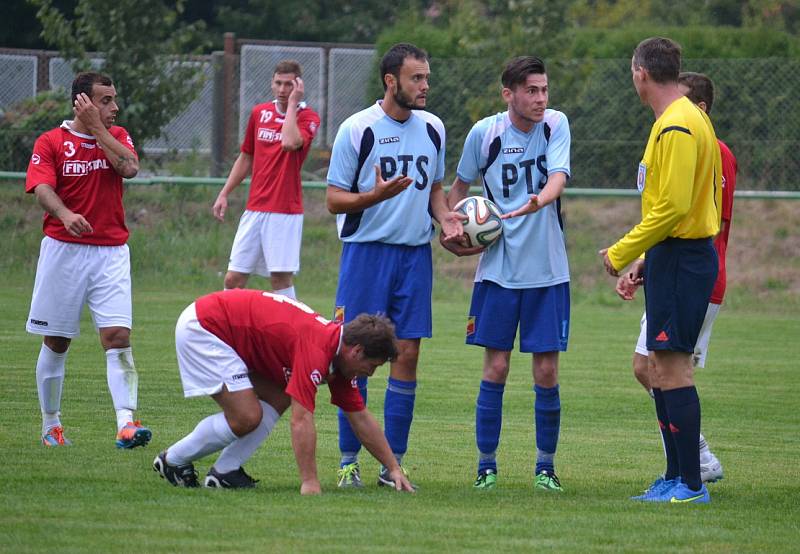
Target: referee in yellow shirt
x,y
680,179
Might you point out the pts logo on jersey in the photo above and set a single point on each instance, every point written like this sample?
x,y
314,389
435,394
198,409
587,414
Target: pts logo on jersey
x,y
269,135
79,168
390,167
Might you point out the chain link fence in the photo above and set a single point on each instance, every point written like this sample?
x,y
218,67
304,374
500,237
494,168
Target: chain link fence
x,y
756,110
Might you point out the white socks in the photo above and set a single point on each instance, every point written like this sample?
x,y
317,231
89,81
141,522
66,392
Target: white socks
x,y
123,382
211,434
50,382
289,291
239,451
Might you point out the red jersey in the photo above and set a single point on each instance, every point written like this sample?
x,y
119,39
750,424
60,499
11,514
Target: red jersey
x,y
275,185
729,168
85,181
282,339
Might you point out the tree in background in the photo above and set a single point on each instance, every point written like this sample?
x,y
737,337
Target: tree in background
x,y
145,49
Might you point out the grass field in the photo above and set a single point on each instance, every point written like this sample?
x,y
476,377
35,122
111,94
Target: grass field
x,y
94,498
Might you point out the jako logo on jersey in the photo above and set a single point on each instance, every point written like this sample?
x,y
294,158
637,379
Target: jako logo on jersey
x,y
266,116
354,382
390,166
35,159
316,377
78,168
269,135
387,140
287,372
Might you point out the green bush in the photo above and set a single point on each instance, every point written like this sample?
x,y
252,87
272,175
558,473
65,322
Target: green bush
x,y
23,123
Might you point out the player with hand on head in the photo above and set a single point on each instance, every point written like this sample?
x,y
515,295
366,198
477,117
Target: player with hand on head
x,y
257,354
384,184
680,178
76,173
521,160
699,89
276,143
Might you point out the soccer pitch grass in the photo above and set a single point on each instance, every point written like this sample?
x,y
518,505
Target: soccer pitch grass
x,y
92,497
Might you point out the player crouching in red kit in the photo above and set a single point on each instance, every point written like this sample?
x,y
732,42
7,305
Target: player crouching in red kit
x,y
257,353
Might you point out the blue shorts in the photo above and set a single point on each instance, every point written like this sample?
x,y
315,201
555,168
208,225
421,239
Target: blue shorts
x,y
542,315
392,279
679,275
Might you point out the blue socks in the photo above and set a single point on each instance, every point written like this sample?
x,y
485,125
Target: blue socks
x,y
547,410
488,422
683,409
349,445
398,411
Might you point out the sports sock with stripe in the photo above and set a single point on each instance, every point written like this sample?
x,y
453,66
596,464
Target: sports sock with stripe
x,y
349,445
668,442
683,407
398,412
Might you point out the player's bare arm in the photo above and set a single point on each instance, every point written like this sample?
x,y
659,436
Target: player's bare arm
x,y
124,162
550,193
75,224
291,139
449,220
304,443
371,436
240,170
458,244
340,201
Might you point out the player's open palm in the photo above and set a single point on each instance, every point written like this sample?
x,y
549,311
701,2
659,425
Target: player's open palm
x,y
388,189
531,206
219,207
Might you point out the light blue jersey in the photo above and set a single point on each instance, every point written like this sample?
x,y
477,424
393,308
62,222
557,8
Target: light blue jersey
x,y
513,165
414,148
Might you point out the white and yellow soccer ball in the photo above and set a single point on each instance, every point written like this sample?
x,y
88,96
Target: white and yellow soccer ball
x,y
484,226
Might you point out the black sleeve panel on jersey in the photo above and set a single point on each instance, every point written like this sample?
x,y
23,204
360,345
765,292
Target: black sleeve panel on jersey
x,y
673,128
435,138
352,221
547,132
494,151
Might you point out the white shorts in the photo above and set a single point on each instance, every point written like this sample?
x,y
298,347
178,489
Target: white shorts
x,y
266,243
69,275
205,362
700,349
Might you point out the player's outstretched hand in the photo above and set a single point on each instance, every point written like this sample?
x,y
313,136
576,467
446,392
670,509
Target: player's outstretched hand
x,y
219,207
76,224
401,482
298,92
87,113
452,225
310,487
392,187
531,206
607,263
459,245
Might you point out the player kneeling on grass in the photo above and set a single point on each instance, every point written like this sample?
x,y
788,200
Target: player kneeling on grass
x,y
257,353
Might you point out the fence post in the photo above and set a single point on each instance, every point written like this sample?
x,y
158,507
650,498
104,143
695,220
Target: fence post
x,y
229,113
217,115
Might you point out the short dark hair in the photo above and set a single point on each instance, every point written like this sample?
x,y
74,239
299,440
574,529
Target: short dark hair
x,y
85,81
393,59
288,66
661,57
516,70
701,88
375,333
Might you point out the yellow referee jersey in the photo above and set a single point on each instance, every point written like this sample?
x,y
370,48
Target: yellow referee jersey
x,y
680,179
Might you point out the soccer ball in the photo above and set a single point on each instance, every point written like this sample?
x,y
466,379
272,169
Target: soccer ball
x,y
484,226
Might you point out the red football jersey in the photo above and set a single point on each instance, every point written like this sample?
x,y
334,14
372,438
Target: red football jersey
x,y
282,339
275,185
729,169
83,178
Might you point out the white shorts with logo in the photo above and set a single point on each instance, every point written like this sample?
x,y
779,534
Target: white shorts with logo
x,y
205,362
700,348
267,242
69,275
